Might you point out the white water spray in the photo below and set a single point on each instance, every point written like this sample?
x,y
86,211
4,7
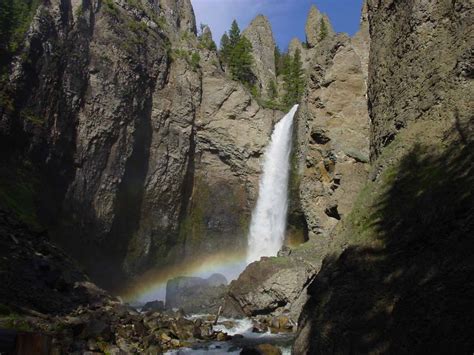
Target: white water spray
x,y
268,224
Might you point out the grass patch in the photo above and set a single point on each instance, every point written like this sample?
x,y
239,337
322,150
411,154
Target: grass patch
x,y
18,192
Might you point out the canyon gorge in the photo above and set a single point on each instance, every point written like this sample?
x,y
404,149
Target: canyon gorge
x,y
131,157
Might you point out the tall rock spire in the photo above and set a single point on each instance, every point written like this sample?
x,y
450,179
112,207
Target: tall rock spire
x,y
181,14
260,34
318,27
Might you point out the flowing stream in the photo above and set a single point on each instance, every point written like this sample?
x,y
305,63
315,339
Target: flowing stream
x,y
268,224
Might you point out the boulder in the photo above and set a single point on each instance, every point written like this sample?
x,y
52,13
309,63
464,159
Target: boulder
x,y
267,285
195,294
154,306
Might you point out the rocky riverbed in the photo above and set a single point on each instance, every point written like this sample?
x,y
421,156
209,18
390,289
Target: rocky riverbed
x,y
111,327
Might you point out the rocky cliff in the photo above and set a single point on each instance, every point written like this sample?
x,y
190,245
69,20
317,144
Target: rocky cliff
x,y
135,148
402,283
260,35
329,167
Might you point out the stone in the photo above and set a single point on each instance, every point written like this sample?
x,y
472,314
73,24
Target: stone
x,y
222,336
260,35
266,285
138,145
154,306
261,349
313,28
195,294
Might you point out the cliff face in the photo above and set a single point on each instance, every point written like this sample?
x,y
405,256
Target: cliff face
x,y
329,167
402,283
133,135
331,140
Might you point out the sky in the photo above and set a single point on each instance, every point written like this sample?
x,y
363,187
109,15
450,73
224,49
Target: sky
x,y
288,17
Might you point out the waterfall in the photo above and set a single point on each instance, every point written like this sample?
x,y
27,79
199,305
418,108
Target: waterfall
x,y
268,224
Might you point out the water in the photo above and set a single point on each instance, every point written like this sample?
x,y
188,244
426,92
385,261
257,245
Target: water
x,y
268,224
234,346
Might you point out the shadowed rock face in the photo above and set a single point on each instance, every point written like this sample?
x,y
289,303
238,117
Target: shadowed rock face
x,y
403,282
260,34
429,75
122,129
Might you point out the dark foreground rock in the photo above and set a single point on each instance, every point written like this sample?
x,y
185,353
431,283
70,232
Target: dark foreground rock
x,y
37,275
195,294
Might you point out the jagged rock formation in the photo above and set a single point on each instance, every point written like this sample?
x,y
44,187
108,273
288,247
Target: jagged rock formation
x,y
332,146
318,27
260,34
329,168
146,153
403,283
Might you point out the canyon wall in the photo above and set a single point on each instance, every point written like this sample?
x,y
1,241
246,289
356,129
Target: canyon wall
x,y
136,149
400,282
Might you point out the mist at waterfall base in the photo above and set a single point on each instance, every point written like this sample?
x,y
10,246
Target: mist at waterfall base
x,y
267,225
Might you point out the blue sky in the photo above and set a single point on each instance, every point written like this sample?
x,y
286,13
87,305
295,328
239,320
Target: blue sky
x,y
287,17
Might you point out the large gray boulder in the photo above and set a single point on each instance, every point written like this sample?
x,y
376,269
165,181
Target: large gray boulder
x,y
269,286
195,294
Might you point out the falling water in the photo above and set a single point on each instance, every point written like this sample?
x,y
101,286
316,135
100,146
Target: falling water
x,y
267,227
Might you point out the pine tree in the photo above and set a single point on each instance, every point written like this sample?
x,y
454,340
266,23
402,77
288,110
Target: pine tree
x,y
225,48
298,76
323,32
234,34
278,61
293,77
272,90
241,62
236,52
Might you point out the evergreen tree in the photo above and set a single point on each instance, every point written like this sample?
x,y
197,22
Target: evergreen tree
x,y
225,48
298,76
15,17
236,52
278,61
241,61
323,32
234,34
272,90
293,77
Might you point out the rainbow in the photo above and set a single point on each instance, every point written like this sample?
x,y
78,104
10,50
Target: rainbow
x,y
152,285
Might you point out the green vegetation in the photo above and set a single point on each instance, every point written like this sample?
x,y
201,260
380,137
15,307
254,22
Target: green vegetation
x,y
194,61
323,32
16,322
205,39
236,53
110,8
293,76
15,18
281,60
192,58
18,191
